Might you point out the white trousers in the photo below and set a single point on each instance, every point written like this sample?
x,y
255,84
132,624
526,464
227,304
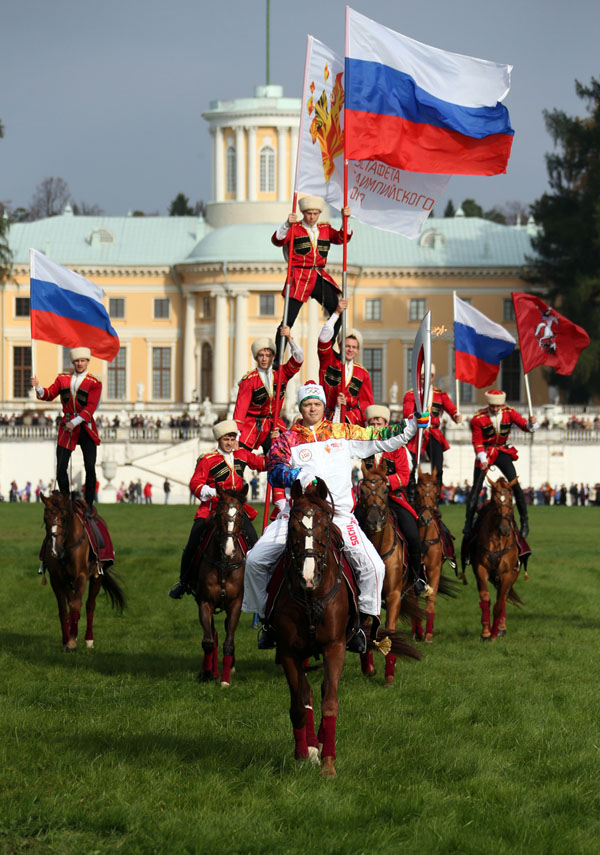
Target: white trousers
x,y
262,559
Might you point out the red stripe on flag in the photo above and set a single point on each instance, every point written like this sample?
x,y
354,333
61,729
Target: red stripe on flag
x,y
46,326
423,148
475,371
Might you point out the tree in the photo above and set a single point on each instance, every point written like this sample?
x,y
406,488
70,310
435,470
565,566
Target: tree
x,y
49,199
5,253
470,208
568,243
180,207
86,210
450,209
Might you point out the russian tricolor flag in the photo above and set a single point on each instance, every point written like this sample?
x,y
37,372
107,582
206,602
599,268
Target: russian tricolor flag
x,y
67,309
479,345
423,109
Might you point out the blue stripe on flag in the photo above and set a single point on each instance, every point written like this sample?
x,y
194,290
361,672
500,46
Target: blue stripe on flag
x,y
48,297
375,88
486,348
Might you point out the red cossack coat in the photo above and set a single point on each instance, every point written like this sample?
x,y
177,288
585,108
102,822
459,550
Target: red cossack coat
x,y
307,260
254,404
359,392
486,438
84,404
213,469
397,464
440,401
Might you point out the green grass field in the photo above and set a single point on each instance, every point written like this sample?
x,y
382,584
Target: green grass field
x,y
477,748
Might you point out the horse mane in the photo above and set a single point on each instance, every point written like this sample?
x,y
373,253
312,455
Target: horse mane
x,y
240,495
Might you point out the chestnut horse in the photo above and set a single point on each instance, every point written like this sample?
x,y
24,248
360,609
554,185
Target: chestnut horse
x,y
494,551
221,561
376,521
427,498
71,562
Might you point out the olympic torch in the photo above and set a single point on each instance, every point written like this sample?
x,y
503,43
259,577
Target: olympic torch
x,y
421,377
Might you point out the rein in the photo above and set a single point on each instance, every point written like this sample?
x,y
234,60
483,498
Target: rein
x,y
226,564
426,502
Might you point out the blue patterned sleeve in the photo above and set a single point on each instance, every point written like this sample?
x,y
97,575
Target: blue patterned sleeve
x,y
280,473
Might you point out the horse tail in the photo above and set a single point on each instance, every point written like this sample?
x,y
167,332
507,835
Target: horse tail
x,y
410,609
514,598
448,587
114,590
400,647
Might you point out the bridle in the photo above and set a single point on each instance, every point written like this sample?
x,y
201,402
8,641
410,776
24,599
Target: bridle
x,y
426,501
375,490
57,520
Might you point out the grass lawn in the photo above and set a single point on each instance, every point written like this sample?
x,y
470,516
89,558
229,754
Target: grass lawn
x,y
477,748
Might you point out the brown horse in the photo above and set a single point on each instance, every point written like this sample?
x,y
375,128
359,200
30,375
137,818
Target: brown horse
x,y
221,562
494,551
398,597
427,498
71,562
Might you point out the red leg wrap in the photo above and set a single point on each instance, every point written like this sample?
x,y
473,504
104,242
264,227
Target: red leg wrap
x,y
417,628
429,625
496,627
321,734
215,661
227,663
89,630
390,665
207,663
301,745
366,662
484,605
328,723
311,736
65,630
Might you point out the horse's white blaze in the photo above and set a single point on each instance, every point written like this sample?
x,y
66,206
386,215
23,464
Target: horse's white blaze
x,y
54,529
229,544
308,568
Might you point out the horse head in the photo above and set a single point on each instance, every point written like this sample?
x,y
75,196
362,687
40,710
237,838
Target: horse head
x,y
309,532
374,491
428,489
228,518
502,498
57,515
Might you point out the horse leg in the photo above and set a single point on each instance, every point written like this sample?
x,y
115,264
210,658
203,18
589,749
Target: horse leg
x,y
393,604
434,571
311,736
484,601
233,616
206,620
333,656
75,600
215,653
299,692
63,608
502,626
90,606
500,605
430,612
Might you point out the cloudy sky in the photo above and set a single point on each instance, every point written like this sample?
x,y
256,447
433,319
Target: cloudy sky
x,y
109,95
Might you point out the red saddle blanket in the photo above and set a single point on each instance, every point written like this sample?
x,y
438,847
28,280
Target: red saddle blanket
x,y
97,534
278,578
524,550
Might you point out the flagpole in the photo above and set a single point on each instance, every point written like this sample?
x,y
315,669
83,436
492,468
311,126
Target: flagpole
x,y
456,380
345,243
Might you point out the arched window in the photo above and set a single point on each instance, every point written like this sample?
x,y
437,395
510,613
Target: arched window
x,y
231,159
206,372
267,169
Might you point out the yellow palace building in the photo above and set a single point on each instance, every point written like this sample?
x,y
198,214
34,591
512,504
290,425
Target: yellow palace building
x,y
188,295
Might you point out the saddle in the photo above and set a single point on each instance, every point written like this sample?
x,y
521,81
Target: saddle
x,y
207,540
97,533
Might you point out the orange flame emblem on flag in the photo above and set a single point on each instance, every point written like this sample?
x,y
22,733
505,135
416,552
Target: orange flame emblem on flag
x,y
325,126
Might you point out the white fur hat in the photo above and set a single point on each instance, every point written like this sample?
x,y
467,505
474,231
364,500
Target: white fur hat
x,y
311,390
352,333
262,344
80,353
495,396
223,428
311,203
375,411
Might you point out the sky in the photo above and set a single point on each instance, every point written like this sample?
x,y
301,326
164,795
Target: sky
x,y
109,95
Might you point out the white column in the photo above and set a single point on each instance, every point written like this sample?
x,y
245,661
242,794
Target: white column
x,y
221,352
219,161
312,357
240,165
240,359
252,164
293,154
189,346
282,193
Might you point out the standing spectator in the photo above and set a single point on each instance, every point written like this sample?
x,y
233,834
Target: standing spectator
x,y
563,495
583,494
121,492
148,493
27,491
167,490
573,492
13,495
254,485
138,491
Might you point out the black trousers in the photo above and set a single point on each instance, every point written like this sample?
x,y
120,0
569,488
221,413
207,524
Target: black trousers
x,y
506,465
325,294
408,526
195,539
435,453
63,455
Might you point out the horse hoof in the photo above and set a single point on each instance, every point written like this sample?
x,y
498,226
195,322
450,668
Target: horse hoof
x,y
389,682
372,671
501,633
232,669
417,637
89,642
205,676
313,755
328,770
429,638
224,685
485,637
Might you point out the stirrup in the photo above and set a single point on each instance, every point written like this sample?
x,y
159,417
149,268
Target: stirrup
x,y
266,638
358,642
422,588
41,569
178,590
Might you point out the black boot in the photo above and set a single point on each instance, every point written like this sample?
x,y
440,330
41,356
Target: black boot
x,y
267,639
522,508
178,590
358,642
421,586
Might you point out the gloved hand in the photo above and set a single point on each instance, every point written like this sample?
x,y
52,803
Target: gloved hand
x,y
423,420
482,457
305,479
207,492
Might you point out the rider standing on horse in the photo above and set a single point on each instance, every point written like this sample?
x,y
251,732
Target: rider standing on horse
x,y
257,391
223,467
398,467
79,395
490,428
434,441
347,384
316,447
309,257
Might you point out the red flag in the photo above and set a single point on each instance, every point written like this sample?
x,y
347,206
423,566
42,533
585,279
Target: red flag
x,y
547,337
